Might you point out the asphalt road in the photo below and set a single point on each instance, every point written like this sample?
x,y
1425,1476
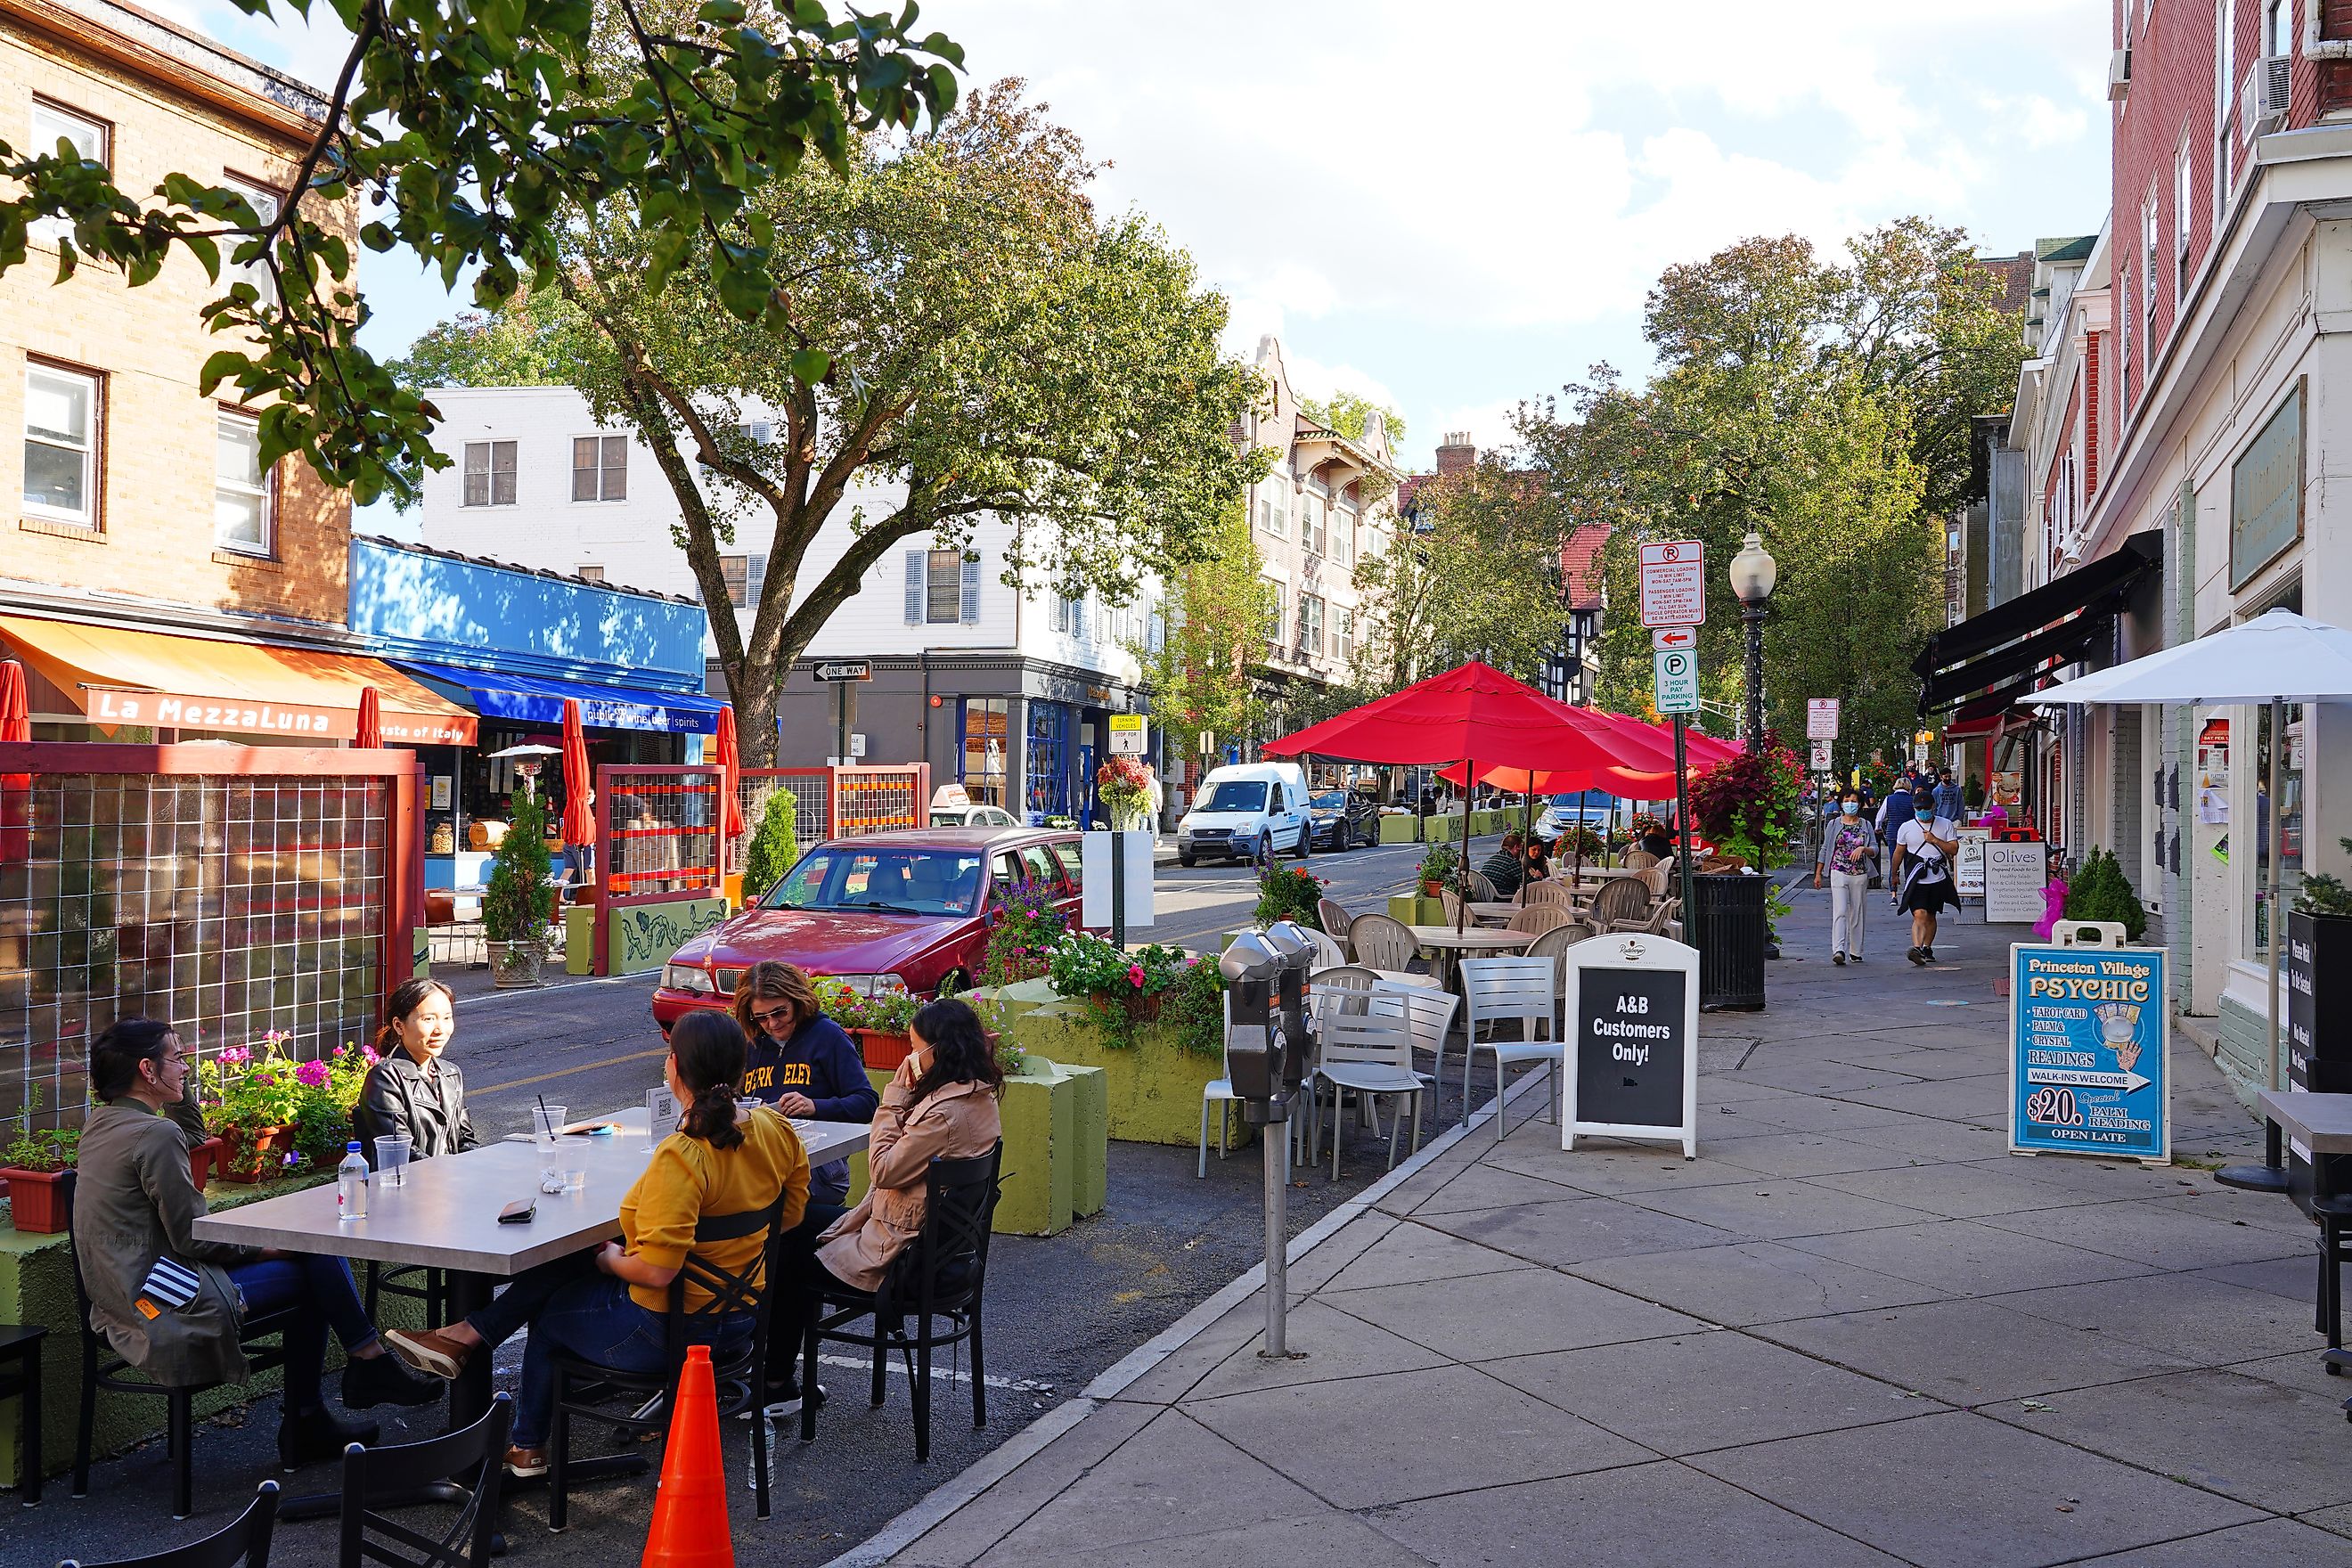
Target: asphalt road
x,y
1061,1309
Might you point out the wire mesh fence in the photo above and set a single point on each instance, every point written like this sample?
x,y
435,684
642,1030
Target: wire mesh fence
x,y
661,829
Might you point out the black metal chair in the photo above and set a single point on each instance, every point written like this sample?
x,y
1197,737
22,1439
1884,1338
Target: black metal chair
x,y
944,1274
410,1281
583,1386
244,1540
395,1477
101,1368
20,1375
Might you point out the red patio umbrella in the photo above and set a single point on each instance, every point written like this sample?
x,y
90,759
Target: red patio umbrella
x,y
730,764
371,728
16,789
579,815
1473,714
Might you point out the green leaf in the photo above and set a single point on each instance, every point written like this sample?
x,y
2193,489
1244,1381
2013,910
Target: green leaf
x,y
810,365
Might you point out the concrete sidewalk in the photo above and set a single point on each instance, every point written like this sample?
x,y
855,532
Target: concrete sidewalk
x,y
1855,1331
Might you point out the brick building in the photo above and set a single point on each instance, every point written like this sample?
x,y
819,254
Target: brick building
x,y
146,535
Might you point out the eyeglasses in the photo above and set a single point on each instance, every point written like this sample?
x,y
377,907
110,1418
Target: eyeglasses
x,y
770,1016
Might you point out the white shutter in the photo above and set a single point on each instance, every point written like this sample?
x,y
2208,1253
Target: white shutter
x,y
914,587
969,610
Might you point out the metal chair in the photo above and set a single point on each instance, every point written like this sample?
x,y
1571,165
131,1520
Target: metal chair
x,y
1537,919
472,1462
1625,900
102,1369
942,1275
1371,1053
1336,922
1219,1092
1554,944
20,1350
582,1385
243,1542
1381,941
1497,989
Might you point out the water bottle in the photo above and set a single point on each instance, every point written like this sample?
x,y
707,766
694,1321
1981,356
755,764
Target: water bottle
x,y
351,1185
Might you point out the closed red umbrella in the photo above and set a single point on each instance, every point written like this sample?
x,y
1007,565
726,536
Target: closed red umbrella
x,y
370,730
579,815
730,764
16,708
16,789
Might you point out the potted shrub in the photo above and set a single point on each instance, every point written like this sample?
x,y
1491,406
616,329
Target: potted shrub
x,y
1288,893
1026,928
776,846
518,903
33,1164
1152,983
1439,863
200,1161
2100,892
252,1097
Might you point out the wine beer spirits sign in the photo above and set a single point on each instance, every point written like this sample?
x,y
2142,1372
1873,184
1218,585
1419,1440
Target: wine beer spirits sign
x,y
2090,1042
1633,1041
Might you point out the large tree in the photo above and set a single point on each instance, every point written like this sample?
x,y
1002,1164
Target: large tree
x,y
480,132
1011,353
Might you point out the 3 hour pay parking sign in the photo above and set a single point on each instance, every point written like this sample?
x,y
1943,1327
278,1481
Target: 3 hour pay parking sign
x,y
1676,674
2090,1043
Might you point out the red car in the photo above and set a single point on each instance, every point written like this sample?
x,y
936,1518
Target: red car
x,y
889,911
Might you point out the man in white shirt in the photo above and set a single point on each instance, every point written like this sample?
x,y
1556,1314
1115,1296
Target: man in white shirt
x,y
1924,851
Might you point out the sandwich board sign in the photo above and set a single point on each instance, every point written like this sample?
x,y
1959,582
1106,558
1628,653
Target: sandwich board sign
x,y
1633,1041
2090,1044
1968,867
2015,873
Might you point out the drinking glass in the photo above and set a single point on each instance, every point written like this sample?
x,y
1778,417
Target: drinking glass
x,y
547,1132
391,1159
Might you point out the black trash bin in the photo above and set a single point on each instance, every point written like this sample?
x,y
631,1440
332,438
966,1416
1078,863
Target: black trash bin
x,y
1731,934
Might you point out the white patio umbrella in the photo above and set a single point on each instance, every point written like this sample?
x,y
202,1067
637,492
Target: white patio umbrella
x,y
2276,658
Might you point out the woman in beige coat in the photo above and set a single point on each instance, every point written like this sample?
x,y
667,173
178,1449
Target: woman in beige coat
x,y
941,1105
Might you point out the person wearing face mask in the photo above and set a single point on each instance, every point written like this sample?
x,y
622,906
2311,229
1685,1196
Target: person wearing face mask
x,y
414,1091
1849,851
1924,849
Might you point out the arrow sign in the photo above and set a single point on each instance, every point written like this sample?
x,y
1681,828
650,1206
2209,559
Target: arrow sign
x,y
845,669
1667,638
2082,1077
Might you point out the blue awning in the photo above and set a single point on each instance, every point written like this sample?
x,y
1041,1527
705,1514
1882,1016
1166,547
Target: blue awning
x,y
538,700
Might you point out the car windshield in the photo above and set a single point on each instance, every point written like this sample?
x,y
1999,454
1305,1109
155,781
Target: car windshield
x,y
1236,795
1331,800
902,881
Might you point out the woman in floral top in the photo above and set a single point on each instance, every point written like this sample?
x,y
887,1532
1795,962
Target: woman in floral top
x,y
1848,852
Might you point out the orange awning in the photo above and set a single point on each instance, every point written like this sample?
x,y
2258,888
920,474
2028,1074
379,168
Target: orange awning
x,y
122,677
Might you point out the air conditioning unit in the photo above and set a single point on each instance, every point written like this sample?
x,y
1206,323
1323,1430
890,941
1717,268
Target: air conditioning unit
x,y
2118,76
2263,97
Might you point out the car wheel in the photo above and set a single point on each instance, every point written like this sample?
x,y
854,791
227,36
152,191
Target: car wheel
x,y
1264,856
1187,861
1303,846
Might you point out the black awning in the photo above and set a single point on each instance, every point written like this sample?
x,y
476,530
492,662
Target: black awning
x,y
2000,702
2065,642
2096,588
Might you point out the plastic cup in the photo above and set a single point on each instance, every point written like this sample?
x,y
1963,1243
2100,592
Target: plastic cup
x,y
391,1159
575,1181
547,1132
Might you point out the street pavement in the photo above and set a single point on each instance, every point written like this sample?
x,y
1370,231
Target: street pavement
x,y
1853,1331
1062,1309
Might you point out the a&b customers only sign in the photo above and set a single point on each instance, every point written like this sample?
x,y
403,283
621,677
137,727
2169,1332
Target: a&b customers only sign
x,y
2089,1047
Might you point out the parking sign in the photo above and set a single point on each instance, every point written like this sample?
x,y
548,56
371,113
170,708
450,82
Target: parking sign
x,y
1675,672
1674,583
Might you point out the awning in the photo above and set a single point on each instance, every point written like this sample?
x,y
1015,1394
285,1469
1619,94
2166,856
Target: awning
x,y
117,676
2058,621
539,699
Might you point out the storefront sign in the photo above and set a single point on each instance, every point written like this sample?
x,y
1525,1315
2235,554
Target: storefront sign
x,y
2089,1039
2266,493
1633,1041
1674,583
168,711
1969,871
2014,876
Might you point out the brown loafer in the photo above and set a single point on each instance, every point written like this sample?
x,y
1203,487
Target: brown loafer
x,y
429,1351
526,1463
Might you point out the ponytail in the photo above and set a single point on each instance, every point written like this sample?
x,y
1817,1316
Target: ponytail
x,y
708,1047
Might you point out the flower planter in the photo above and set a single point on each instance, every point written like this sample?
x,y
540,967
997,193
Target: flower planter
x,y
1430,887
37,1199
202,1157
256,1161
882,1052
515,965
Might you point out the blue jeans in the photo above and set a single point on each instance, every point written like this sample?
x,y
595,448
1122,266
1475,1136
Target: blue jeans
x,y
572,1306
321,1284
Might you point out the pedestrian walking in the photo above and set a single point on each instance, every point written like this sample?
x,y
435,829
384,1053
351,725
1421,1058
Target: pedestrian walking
x,y
1924,849
1849,850
1893,812
1948,797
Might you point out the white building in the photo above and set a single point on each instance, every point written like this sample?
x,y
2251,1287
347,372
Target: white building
x,y
1006,691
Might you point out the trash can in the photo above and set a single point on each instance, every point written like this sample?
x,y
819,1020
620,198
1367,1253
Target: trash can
x,y
1731,934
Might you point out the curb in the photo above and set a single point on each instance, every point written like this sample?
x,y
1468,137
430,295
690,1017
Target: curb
x,y
1025,1445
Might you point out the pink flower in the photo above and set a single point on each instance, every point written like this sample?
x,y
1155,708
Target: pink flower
x,y
1135,974
235,1056
367,1055
311,1075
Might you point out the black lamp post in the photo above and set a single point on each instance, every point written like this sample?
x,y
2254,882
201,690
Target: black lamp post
x,y
1753,575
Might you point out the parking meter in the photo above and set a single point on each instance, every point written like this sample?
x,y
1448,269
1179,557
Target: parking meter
x,y
1265,1054
1296,955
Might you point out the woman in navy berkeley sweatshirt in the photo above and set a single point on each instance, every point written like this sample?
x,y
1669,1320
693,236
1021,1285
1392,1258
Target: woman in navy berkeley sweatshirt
x,y
802,1062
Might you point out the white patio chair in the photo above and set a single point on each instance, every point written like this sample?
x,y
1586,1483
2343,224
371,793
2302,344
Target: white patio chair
x,y
1219,1092
1497,989
1336,919
1428,1013
1381,941
1323,983
1329,953
1371,1053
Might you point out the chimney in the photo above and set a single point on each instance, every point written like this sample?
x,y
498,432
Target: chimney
x,y
1455,453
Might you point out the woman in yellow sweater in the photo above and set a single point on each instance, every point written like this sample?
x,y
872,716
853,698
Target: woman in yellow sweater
x,y
608,1305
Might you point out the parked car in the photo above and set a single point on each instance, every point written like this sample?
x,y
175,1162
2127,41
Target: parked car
x,y
1246,810
900,911
973,816
1595,810
1343,819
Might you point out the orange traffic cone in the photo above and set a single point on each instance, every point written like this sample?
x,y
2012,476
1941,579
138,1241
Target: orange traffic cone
x,y
690,1510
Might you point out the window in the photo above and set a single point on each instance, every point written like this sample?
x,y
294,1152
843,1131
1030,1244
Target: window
x,y
2123,341
2180,211
53,123
1270,511
1274,621
756,433
943,591
1310,626
265,203
489,473
589,574
985,735
1343,536
64,420
600,468
1347,639
2224,64
2148,227
737,571
241,499
2278,28
1044,872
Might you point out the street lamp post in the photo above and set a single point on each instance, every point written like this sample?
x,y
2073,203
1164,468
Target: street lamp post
x,y
1753,575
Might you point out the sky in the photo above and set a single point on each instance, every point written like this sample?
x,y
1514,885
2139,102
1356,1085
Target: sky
x,y
1450,208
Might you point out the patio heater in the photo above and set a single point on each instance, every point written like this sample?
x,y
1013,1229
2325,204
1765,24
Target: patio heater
x,y
1265,1052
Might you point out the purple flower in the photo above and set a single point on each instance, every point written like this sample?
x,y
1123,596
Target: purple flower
x,y
293,1159
311,1075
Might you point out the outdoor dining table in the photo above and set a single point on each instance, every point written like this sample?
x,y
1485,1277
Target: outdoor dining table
x,y
1445,945
444,1214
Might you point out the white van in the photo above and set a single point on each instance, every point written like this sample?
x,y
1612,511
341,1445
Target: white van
x,y
1249,809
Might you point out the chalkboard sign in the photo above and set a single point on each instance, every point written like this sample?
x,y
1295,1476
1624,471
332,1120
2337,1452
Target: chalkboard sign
x,y
1633,1041
2318,1031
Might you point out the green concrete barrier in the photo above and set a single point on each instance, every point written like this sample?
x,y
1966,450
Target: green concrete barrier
x,y
1056,1157
580,939
1152,1092
1399,830
1444,829
1414,909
